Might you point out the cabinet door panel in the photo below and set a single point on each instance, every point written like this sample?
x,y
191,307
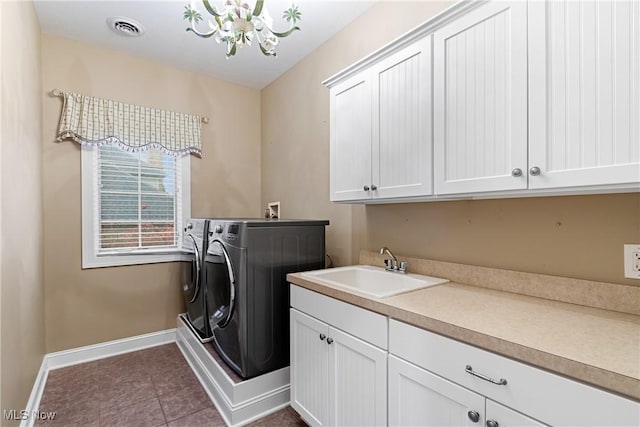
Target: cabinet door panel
x,y
480,100
401,114
351,138
358,381
506,417
309,368
584,92
419,398
545,396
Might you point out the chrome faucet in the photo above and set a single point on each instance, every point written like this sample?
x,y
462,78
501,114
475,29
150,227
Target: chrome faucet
x,y
392,264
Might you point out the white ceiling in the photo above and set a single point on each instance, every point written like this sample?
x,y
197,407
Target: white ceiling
x,y
166,40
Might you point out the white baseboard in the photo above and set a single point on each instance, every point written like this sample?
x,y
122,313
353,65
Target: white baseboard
x,y
74,356
60,359
36,394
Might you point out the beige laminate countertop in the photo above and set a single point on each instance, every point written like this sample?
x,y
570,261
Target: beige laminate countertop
x,y
596,346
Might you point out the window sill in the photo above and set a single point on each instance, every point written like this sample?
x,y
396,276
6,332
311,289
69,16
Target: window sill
x,y
117,260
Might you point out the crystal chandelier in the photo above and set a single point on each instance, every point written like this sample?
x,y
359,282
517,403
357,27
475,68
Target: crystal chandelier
x,y
237,24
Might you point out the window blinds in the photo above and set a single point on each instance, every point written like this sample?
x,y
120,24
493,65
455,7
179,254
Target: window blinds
x,y
138,200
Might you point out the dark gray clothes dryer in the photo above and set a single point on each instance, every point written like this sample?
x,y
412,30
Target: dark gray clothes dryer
x,y
193,291
245,271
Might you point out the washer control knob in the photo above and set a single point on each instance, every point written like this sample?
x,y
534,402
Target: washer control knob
x,y
217,229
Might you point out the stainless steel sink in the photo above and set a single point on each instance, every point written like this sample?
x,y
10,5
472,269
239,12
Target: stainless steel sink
x,y
372,281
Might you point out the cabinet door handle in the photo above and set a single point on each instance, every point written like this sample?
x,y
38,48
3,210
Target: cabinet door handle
x,y
474,416
329,341
322,337
534,171
366,188
516,172
468,369
373,187
492,423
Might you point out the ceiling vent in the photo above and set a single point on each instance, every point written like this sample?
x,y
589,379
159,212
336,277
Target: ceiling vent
x,y
125,26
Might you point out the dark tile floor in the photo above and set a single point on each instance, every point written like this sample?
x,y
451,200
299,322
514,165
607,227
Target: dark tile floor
x,y
151,387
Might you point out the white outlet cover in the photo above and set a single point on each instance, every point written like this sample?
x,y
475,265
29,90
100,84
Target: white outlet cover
x,y
274,210
632,261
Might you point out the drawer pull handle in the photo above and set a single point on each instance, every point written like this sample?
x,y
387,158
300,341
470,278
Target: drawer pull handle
x,y
469,370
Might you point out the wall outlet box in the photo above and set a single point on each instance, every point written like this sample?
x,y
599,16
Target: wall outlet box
x,y
632,261
274,210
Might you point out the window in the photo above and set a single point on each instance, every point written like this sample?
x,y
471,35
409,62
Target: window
x,y
133,206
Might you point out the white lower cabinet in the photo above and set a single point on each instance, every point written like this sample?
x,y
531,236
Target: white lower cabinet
x,y
309,368
500,416
419,398
353,367
337,379
357,382
516,394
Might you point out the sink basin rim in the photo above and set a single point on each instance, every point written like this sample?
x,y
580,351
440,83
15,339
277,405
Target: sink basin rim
x,y
384,283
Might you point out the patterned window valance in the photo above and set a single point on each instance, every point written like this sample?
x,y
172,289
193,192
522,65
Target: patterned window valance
x,y
90,120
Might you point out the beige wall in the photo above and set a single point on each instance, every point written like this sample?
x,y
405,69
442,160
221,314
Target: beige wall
x,y
580,236
96,305
21,311
576,236
295,121
1,204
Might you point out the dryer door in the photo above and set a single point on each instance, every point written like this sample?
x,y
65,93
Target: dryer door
x,y
191,288
221,285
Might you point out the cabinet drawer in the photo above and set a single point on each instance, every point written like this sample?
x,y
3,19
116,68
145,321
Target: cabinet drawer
x,y
364,324
419,398
542,395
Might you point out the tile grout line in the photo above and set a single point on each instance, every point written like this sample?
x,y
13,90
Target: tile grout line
x,y
118,373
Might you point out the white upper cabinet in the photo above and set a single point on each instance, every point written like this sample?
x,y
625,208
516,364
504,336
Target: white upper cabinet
x,y
401,145
480,100
351,138
493,99
584,78
381,128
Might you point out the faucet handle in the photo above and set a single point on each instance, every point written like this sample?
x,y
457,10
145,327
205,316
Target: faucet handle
x,y
388,265
403,266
